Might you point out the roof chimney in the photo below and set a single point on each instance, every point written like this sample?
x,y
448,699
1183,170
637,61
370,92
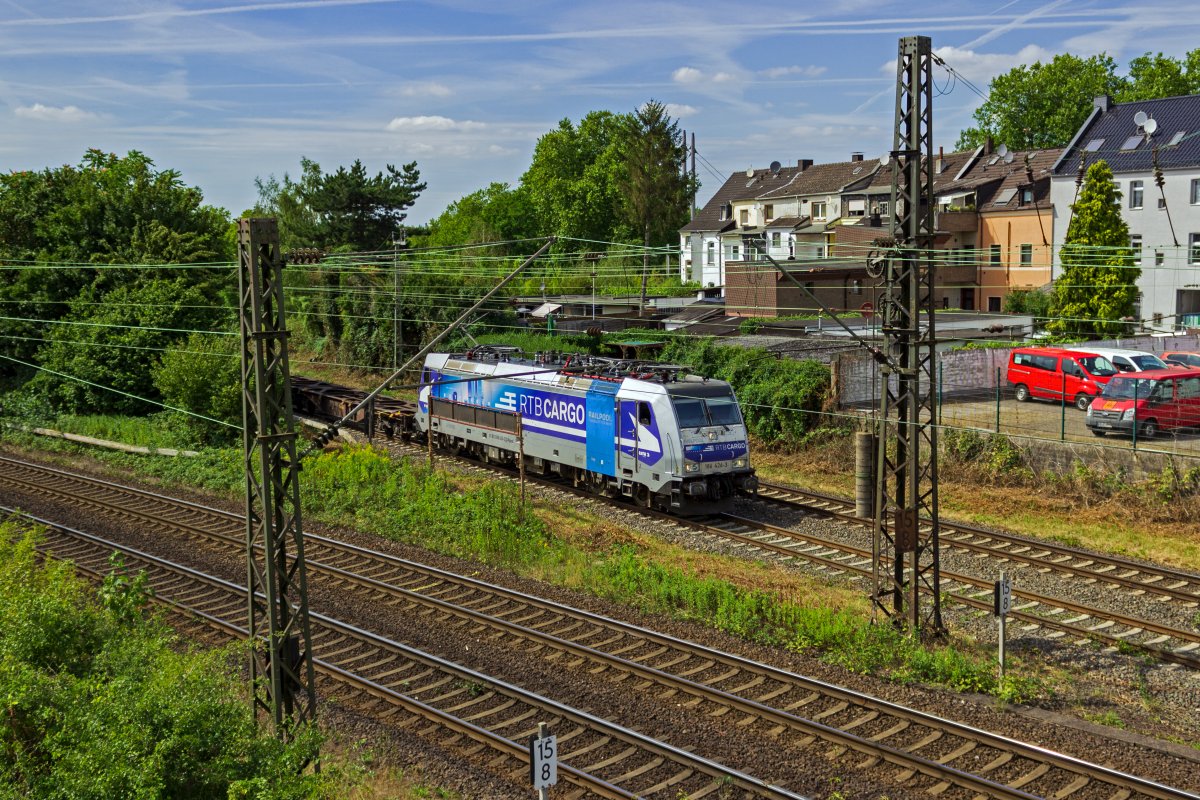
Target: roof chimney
x,y
989,145
856,156
1102,102
940,164
804,163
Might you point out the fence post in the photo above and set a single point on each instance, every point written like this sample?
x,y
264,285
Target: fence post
x,y
1062,422
997,399
1133,433
941,388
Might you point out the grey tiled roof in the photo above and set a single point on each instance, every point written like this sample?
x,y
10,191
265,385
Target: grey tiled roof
x,y
1116,127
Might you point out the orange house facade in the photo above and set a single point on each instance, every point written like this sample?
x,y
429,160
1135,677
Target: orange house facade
x,y
1016,232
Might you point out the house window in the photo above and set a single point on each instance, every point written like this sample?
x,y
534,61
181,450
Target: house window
x,y
1135,244
1162,203
791,246
1026,255
883,206
818,210
993,304
1194,248
744,216
769,212
710,254
995,255
1159,258
1135,194
1158,318
774,237
1196,191
1026,196
734,252
819,250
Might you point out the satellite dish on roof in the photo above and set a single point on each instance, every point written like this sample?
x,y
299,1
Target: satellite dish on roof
x,y
775,167
1150,127
1140,118
1008,158
885,159
750,172
1002,150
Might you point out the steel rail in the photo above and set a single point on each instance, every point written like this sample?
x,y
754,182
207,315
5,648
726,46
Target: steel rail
x,y
1158,576
750,707
719,773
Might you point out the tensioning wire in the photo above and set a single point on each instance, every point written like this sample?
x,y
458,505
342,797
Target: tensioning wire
x,y
118,391
113,325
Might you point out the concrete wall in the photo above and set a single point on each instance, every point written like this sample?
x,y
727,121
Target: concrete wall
x,y
968,373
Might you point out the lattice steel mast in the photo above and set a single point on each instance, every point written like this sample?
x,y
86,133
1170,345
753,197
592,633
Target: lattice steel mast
x,y
281,664
905,551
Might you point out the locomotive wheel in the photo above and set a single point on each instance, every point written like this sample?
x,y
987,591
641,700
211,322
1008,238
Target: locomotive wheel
x,y
642,496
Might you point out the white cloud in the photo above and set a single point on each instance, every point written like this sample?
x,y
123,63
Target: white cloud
x,y
430,89
433,123
681,110
722,77
812,71
68,114
687,75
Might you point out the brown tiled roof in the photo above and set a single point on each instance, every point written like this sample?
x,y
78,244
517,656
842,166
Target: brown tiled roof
x,y
824,179
739,186
787,222
1040,165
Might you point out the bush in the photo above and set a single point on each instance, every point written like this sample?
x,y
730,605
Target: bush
x,y
203,376
99,702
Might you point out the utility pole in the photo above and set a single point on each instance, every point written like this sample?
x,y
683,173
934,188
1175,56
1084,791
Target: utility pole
x,y
281,667
905,555
397,243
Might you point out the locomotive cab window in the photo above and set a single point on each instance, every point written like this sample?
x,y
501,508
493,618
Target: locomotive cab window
x,y
702,412
644,417
690,412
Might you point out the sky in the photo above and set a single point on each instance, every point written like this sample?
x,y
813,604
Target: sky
x,y
225,91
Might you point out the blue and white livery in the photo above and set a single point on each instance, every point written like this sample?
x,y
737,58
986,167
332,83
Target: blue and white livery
x,y
640,430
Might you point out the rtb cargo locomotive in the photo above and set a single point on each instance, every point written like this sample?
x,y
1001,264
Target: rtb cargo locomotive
x,y
645,431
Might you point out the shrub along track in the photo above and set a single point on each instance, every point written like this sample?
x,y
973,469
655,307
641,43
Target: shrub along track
x,y
787,710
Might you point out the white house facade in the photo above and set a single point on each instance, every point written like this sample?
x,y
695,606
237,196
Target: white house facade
x,y
1164,224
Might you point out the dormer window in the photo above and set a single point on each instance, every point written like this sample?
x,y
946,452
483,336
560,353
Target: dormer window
x,y
768,212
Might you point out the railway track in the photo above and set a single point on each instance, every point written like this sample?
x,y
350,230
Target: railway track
x,y
1118,572
851,726
597,757
1059,618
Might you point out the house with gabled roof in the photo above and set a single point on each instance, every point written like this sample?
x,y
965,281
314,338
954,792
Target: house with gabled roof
x,y
1164,223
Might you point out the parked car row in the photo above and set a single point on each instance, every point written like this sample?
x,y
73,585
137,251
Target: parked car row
x,y
1122,390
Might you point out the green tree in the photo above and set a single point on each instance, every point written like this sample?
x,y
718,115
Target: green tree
x,y
654,186
1097,287
573,181
107,210
1041,105
497,214
112,341
345,210
1154,76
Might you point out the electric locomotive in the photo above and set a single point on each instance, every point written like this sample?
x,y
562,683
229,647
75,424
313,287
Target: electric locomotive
x,y
648,432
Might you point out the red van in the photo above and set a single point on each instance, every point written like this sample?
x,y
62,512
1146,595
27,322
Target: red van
x,y
1151,401
1053,373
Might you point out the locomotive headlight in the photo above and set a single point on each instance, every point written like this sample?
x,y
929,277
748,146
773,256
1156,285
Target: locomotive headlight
x,y
691,466
739,462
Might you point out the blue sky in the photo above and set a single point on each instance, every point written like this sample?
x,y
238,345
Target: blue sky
x,y
226,91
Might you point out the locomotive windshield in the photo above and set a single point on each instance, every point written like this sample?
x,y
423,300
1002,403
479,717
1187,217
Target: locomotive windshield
x,y
719,408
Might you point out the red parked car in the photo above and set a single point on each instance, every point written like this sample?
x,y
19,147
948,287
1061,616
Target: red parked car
x,y
1148,402
1052,373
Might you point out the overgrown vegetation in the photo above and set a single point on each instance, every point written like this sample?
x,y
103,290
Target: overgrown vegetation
x,y
101,702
